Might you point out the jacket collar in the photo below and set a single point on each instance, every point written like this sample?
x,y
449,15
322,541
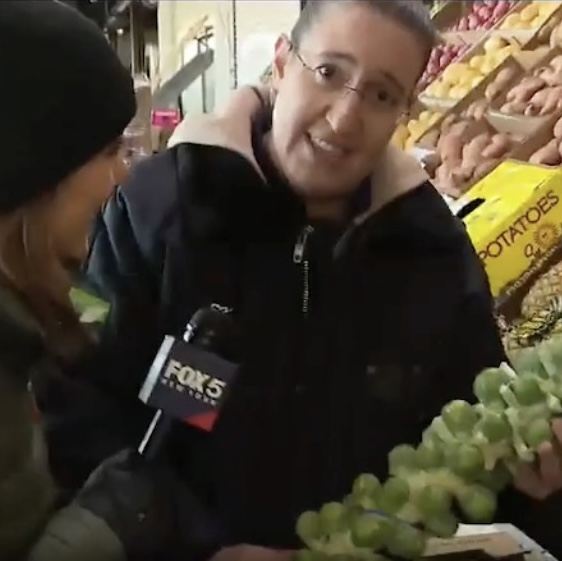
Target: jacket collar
x,y
395,174
403,205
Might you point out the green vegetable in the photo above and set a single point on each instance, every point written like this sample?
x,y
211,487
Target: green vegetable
x,y
368,531
465,458
89,308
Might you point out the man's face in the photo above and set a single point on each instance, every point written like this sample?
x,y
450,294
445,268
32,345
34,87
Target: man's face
x,y
339,97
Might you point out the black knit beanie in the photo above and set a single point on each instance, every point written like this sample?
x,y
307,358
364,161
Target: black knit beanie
x,y
65,96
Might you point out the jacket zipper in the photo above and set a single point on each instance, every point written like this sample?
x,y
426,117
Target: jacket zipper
x,y
300,258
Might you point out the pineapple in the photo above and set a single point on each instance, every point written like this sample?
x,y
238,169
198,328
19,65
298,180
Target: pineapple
x,y
546,288
528,332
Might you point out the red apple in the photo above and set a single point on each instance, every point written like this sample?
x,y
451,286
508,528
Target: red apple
x,y
463,24
473,21
484,14
433,68
501,9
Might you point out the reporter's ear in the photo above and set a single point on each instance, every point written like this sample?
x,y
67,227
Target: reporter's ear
x,y
246,101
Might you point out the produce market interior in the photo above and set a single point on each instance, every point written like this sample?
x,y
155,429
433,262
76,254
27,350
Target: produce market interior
x,y
485,126
490,95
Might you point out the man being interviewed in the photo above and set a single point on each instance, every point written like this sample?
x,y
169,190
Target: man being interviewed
x,y
362,305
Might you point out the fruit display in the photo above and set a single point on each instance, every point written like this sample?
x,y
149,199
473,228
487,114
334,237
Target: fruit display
x,y
407,134
540,93
441,56
483,15
478,109
467,153
531,16
543,291
466,149
465,458
459,78
540,311
503,78
550,154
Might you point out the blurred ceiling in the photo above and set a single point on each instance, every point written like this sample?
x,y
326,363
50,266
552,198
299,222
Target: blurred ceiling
x,y
115,13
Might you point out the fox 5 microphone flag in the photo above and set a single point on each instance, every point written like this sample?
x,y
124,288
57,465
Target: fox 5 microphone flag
x,y
188,383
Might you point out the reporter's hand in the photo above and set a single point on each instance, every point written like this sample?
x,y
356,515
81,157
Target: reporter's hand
x,y
147,507
245,552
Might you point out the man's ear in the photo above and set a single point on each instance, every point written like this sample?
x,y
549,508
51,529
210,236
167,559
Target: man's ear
x,y
280,58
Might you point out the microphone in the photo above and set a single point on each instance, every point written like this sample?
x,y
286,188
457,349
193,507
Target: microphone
x,y
189,379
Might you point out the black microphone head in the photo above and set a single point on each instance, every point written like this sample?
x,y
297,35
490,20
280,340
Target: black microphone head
x,y
214,330
188,379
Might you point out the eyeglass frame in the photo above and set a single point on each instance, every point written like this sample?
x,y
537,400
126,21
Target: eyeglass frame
x,y
403,113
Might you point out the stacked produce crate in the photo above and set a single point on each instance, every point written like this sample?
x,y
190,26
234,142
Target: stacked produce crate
x,y
489,112
489,91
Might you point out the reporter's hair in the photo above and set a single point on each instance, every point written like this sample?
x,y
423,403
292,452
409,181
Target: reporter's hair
x,y
30,268
412,14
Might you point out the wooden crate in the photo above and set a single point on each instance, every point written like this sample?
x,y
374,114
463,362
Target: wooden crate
x,y
458,105
449,14
531,133
529,60
540,131
415,112
533,37
476,35
420,108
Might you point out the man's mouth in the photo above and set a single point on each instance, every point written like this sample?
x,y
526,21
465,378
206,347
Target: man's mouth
x,y
326,148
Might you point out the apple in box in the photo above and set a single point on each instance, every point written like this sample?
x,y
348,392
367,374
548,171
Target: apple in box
x,y
501,8
484,15
441,57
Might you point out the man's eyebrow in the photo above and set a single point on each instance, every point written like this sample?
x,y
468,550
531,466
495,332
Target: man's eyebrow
x,y
338,55
350,59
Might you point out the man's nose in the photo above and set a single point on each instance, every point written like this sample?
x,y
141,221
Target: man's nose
x,y
344,114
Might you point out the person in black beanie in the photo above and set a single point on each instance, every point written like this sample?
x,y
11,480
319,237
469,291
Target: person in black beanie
x,y
64,107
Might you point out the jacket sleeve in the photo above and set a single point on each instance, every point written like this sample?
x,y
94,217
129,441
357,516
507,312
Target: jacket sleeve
x,y
129,509
93,411
120,271
475,342
477,345
76,534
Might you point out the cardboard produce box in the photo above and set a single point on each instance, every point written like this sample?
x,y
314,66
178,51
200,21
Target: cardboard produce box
x,y
516,229
492,541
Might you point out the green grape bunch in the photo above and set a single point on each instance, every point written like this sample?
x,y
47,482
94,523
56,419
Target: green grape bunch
x,y
465,458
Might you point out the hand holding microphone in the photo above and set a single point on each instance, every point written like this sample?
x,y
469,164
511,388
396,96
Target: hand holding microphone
x,y
134,506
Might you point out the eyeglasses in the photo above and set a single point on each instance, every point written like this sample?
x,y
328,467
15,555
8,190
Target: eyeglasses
x,y
336,79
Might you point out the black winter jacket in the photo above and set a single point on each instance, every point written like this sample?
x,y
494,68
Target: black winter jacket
x,y
349,347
